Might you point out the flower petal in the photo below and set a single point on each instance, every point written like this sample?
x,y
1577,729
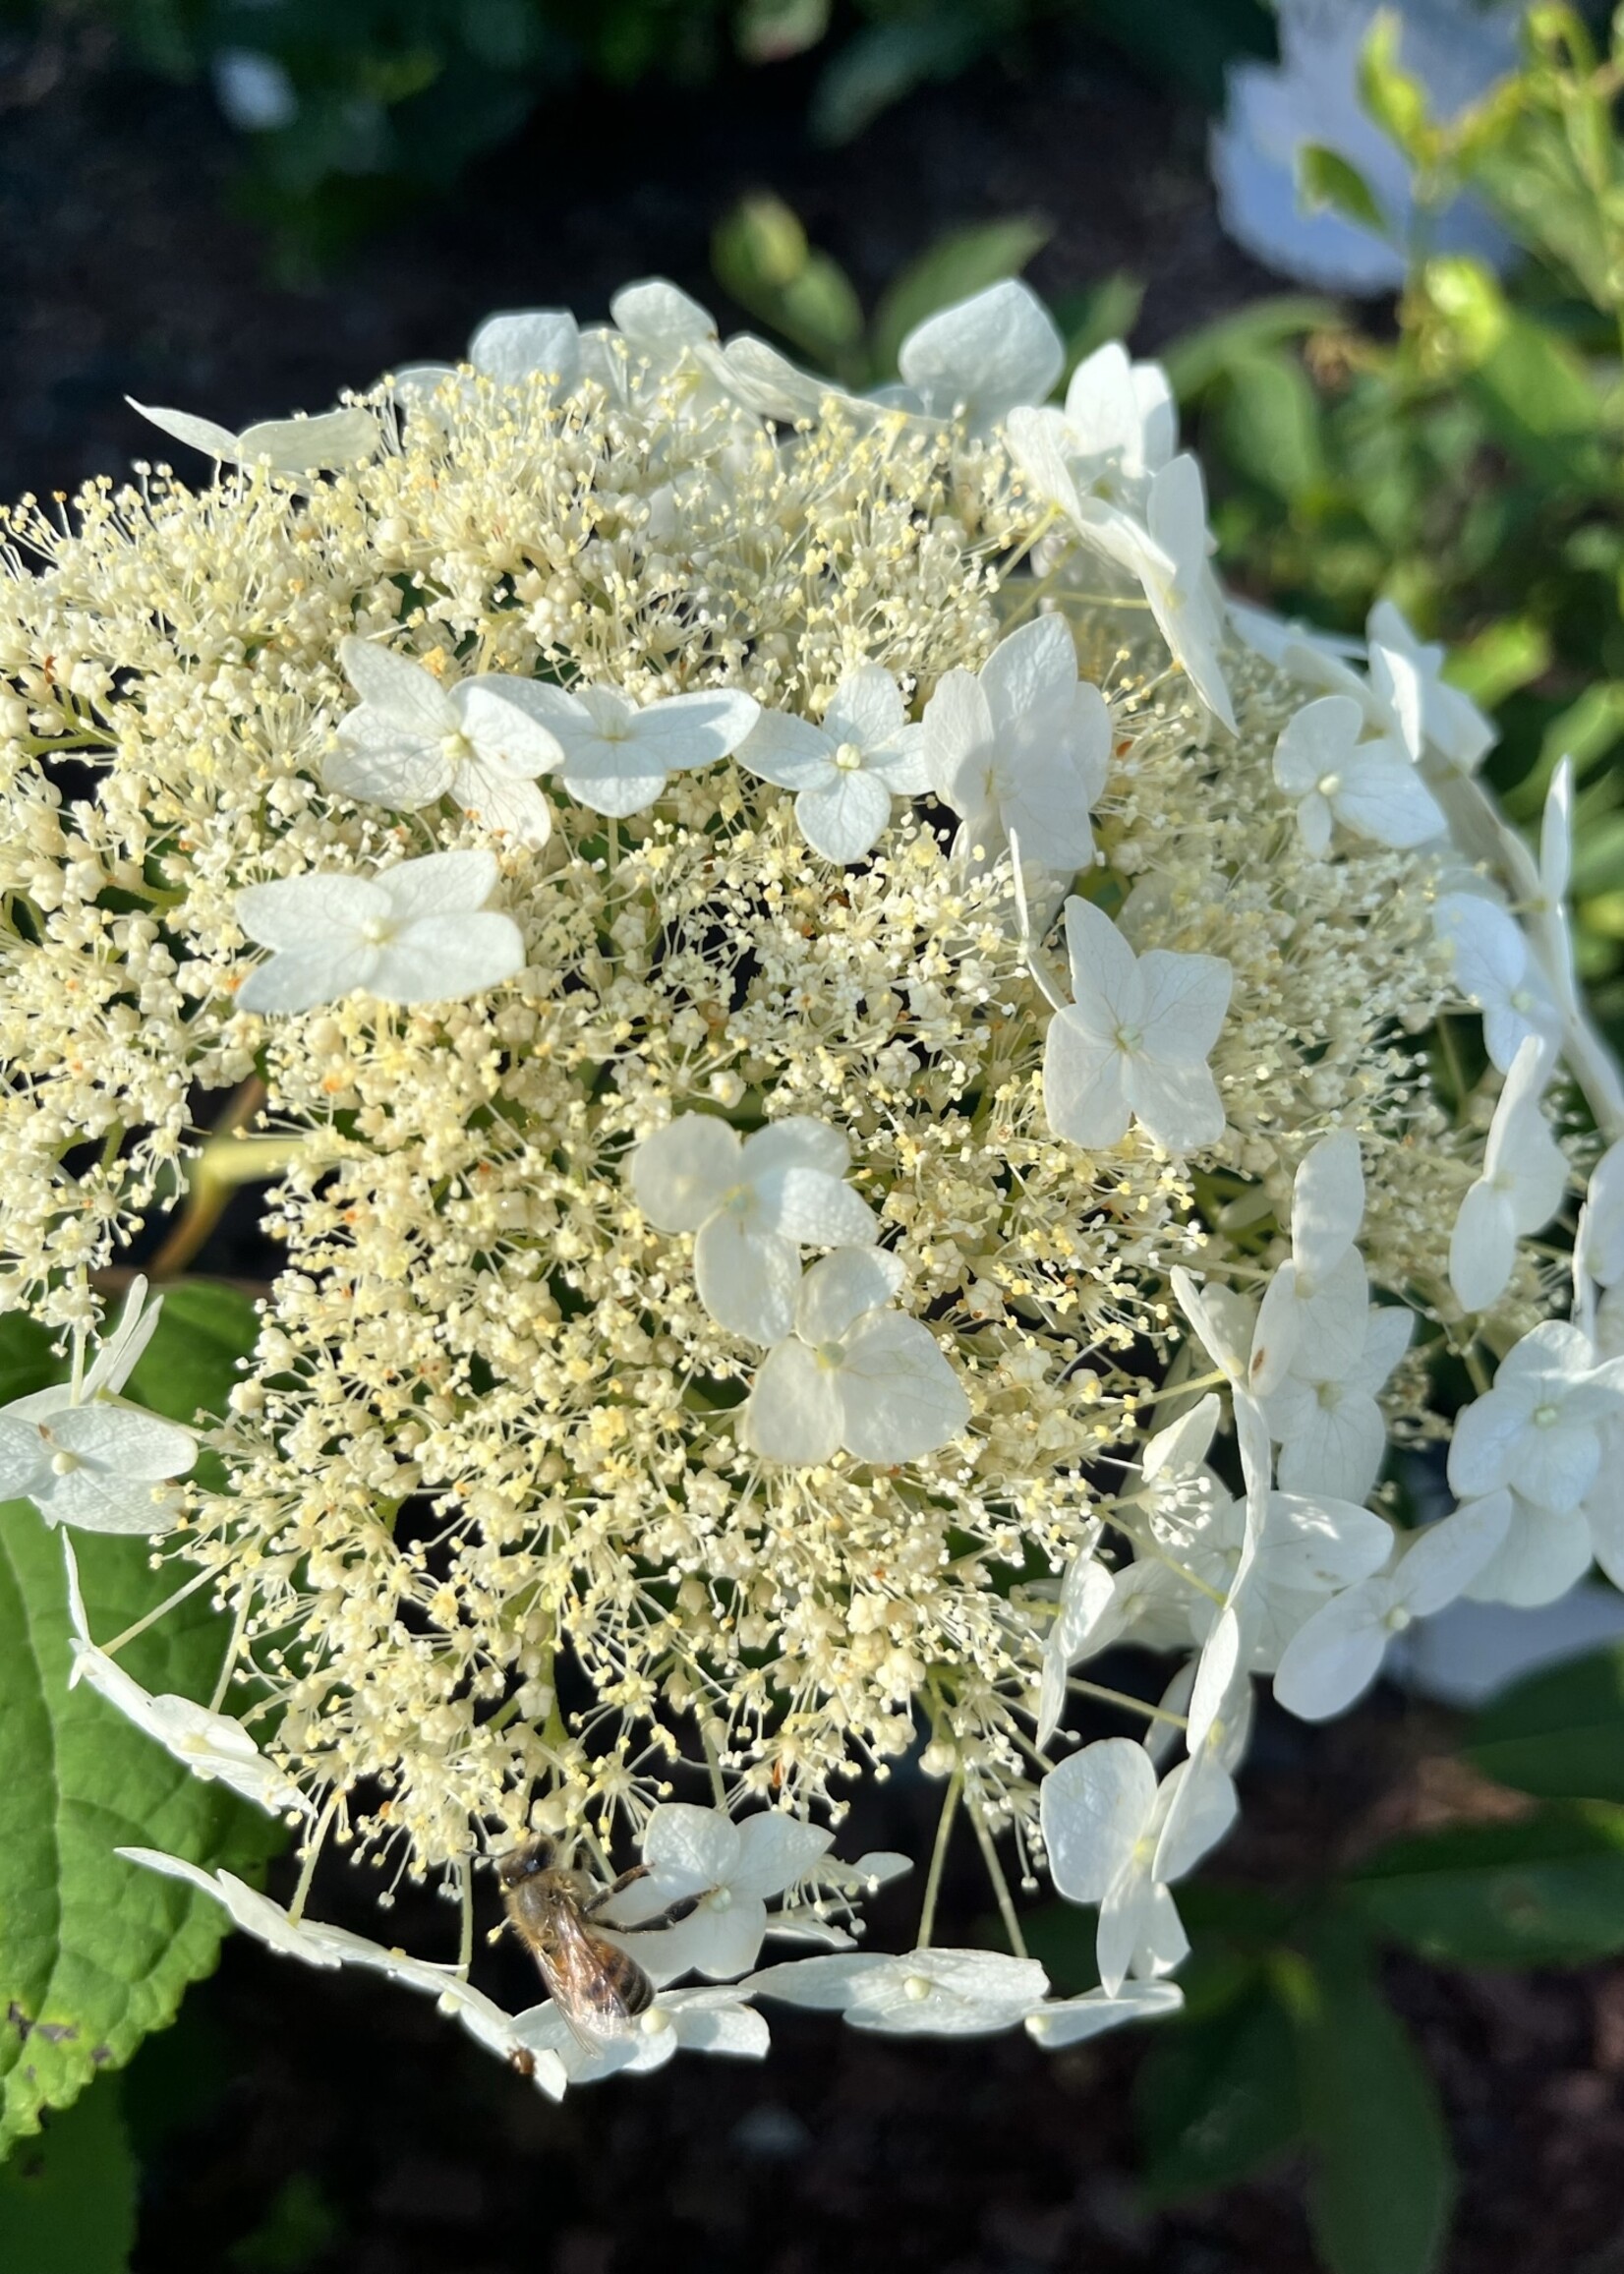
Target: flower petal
x,y
681,1172
1094,1808
747,1280
844,818
900,1398
793,1413
836,1292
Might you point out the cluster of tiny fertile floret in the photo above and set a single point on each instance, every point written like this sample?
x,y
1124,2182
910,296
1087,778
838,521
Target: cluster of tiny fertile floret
x,y
499,1552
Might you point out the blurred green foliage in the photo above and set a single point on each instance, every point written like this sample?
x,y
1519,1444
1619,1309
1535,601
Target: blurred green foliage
x,y
1463,458
345,109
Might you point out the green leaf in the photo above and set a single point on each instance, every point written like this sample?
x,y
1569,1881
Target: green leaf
x,y
1269,419
1216,2098
1558,1735
1546,1891
95,1953
1585,732
1108,311
189,1367
1325,181
1539,403
1394,100
966,260
1202,358
761,256
771,31
1382,2179
1502,658
886,61
67,2198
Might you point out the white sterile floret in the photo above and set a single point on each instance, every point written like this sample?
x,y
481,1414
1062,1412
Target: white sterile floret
x,y
1538,1430
86,1458
733,1867
1308,1546
709,2021
1313,1317
1325,1418
976,359
1335,776
1134,1043
847,768
1067,2022
926,1993
419,932
1496,972
1336,1654
286,445
1021,748
528,343
1321,660
1434,719
617,756
1524,1175
1601,1245
1121,424
1103,1815
1175,571
752,1205
329,1947
411,741
216,1748
853,1373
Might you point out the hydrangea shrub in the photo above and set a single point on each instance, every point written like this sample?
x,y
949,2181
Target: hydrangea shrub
x,y
873,1092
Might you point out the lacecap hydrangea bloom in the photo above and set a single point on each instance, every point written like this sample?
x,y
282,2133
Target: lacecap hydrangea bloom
x,y
851,1050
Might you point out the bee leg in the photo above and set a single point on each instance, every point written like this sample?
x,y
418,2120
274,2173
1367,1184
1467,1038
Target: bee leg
x,y
607,1895
671,1916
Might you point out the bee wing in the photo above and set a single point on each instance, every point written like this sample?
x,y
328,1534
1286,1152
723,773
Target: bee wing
x,y
598,1989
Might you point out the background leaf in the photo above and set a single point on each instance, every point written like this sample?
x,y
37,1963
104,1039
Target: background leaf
x,y
1382,2180
1216,2097
964,262
94,1953
1558,1735
1546,1891
67,2196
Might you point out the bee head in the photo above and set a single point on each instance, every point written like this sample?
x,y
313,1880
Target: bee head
x,y
523,1862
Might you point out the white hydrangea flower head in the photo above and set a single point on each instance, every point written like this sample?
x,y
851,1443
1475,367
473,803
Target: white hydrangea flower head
x,y
801,1324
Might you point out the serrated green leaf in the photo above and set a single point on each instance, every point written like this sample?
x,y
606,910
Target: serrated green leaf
x,y
1326,182
1216,2098
1558,1735
67,2196
1546,1891
94,1953
1382,2178
189,1367
965,262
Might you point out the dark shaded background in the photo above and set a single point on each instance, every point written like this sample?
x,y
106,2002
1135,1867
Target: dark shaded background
x,y
302,2124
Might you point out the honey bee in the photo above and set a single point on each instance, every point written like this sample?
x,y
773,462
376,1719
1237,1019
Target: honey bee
x,y
597,1987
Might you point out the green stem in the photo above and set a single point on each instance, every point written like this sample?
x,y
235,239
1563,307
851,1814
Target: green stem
x,y
938,1860
1001,1886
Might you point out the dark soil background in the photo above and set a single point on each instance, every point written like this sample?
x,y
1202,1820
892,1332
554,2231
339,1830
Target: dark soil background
x,y
297,2123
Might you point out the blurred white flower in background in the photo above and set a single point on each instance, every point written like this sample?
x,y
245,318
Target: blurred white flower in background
x,y
1456,50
